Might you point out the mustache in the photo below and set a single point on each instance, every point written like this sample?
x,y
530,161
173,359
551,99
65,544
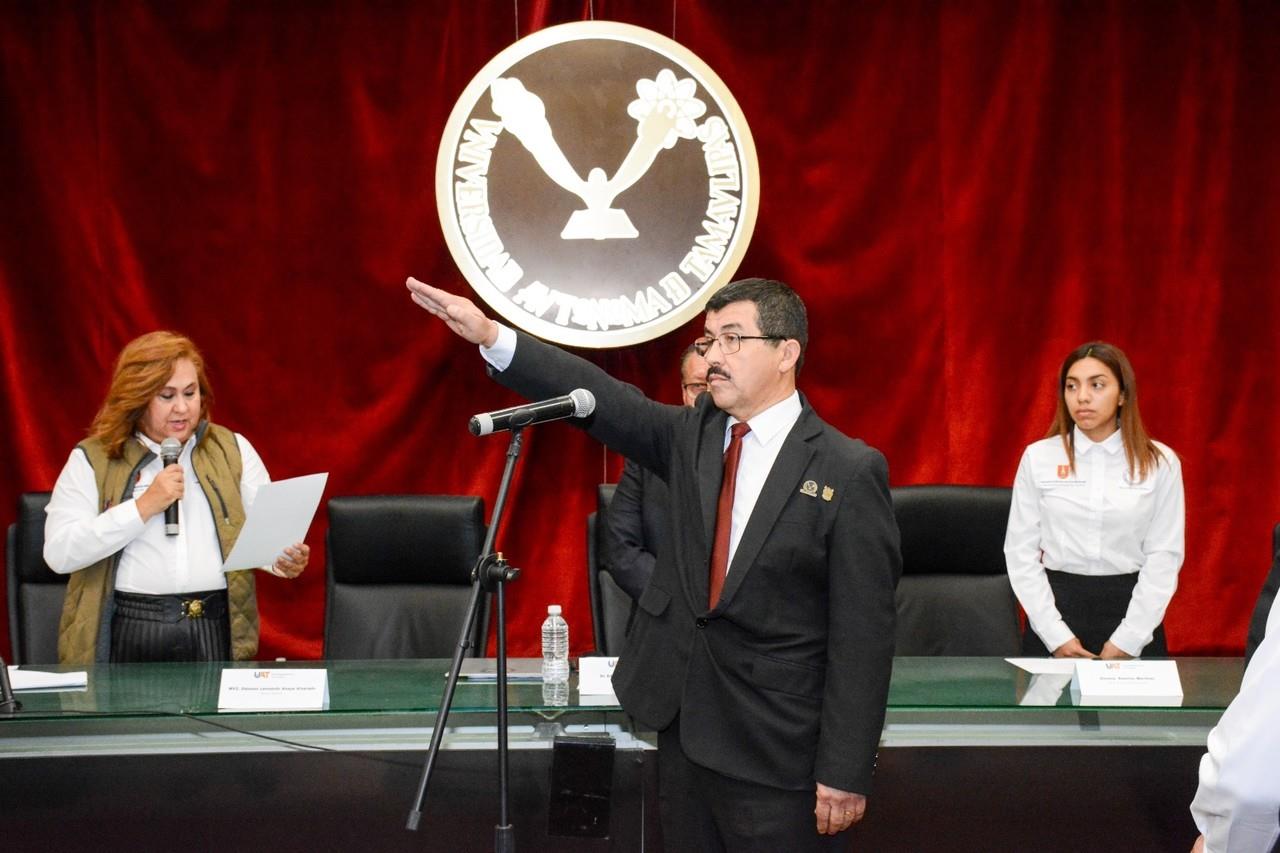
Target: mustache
x,y
716,371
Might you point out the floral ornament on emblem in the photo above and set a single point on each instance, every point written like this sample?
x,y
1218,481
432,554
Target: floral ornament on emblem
x,y
673,100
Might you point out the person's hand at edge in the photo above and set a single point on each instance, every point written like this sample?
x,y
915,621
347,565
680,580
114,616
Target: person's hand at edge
x,y
838,810
1073,648
166,488
293,561
1110,651
460,314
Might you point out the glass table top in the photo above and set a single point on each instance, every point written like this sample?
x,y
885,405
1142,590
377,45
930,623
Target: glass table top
x,y
416,687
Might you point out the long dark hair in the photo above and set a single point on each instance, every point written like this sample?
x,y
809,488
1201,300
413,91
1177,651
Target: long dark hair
x,y
1139,450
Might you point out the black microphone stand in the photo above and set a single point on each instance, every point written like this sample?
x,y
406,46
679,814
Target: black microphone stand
x,y
490,575
8,704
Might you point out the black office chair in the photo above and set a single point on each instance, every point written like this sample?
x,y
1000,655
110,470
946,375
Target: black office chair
x,y
35,591
399,576
610,606
1266,599
954,597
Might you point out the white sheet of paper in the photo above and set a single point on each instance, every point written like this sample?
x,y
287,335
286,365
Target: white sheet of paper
x,y
31,679
486,669
1045,689
1045,666
273,690
280,515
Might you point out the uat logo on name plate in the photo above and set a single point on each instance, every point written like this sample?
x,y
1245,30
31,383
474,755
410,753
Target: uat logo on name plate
x,y
596,183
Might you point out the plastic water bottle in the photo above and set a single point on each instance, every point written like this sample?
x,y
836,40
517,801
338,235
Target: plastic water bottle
x,y
555,647
555,694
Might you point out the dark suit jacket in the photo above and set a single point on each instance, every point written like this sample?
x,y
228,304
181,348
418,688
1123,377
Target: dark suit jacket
x,y
784,683
636,520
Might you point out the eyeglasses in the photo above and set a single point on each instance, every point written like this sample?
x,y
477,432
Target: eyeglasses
x,y
730,342
696,387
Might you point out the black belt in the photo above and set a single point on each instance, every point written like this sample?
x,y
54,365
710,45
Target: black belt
x,y
211,604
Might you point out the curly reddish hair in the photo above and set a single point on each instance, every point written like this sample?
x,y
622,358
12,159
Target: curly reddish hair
x,y
142,369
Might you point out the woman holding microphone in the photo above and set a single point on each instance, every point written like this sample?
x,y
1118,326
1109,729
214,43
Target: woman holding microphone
x,y
142,589
1095,536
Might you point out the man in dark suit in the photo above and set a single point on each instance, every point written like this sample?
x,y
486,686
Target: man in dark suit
x,y
638,512
763,645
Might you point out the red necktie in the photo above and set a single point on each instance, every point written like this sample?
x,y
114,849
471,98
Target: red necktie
x,y
724,510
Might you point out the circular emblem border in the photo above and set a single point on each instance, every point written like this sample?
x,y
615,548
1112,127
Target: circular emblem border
x,y
445,167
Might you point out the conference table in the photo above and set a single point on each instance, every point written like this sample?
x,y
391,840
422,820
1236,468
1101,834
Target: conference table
x,y
976,755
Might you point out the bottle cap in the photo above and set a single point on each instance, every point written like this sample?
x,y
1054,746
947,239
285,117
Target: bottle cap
x,y
553,609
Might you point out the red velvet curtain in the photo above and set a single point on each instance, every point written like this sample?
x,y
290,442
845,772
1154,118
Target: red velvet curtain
x,y
962,191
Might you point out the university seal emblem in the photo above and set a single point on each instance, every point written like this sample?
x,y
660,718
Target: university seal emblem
x,y
596,182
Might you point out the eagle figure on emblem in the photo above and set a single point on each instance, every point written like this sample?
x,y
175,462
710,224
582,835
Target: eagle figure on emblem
x,y
665,112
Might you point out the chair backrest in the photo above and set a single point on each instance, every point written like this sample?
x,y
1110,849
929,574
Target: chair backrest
x,y
399,576
35,590
954,597
610,605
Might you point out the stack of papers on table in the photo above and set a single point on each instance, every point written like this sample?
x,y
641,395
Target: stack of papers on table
x,y
486,669
31,679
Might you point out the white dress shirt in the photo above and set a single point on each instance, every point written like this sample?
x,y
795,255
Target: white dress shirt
x,y
760,446
760,449
78,535
1237,805
1095,521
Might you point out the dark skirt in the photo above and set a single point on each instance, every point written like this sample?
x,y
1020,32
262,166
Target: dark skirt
x,y
193,626
1093,606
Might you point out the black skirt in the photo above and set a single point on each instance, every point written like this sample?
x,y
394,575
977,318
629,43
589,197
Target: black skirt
x,y
193,626
1093,606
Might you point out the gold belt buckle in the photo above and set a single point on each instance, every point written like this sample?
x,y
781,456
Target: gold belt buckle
x,y
193,608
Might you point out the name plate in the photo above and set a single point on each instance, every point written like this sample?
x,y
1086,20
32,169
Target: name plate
x,y
274,690
1126,682
595,676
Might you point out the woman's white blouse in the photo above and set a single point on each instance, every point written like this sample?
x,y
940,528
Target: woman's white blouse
x,y
1095,521
77,534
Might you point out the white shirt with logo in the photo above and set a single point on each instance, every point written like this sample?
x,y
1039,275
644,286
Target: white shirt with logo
x,y
1097,520
78,535
1237,805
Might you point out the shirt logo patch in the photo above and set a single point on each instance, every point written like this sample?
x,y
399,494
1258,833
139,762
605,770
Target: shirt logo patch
x,y
1064,471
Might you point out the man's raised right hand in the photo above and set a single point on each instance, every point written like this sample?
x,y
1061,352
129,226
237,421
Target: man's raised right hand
x,y
460,314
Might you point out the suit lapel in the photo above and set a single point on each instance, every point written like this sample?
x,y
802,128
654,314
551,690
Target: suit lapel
x,y
783,478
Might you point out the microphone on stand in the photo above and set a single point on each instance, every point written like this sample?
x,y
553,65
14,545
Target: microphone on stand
x,y
170,449
578,403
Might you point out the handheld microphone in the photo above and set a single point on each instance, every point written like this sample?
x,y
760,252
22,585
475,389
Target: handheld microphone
x,y
170,449
578,403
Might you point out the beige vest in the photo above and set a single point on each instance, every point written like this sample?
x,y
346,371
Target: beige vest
x,y
84,632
